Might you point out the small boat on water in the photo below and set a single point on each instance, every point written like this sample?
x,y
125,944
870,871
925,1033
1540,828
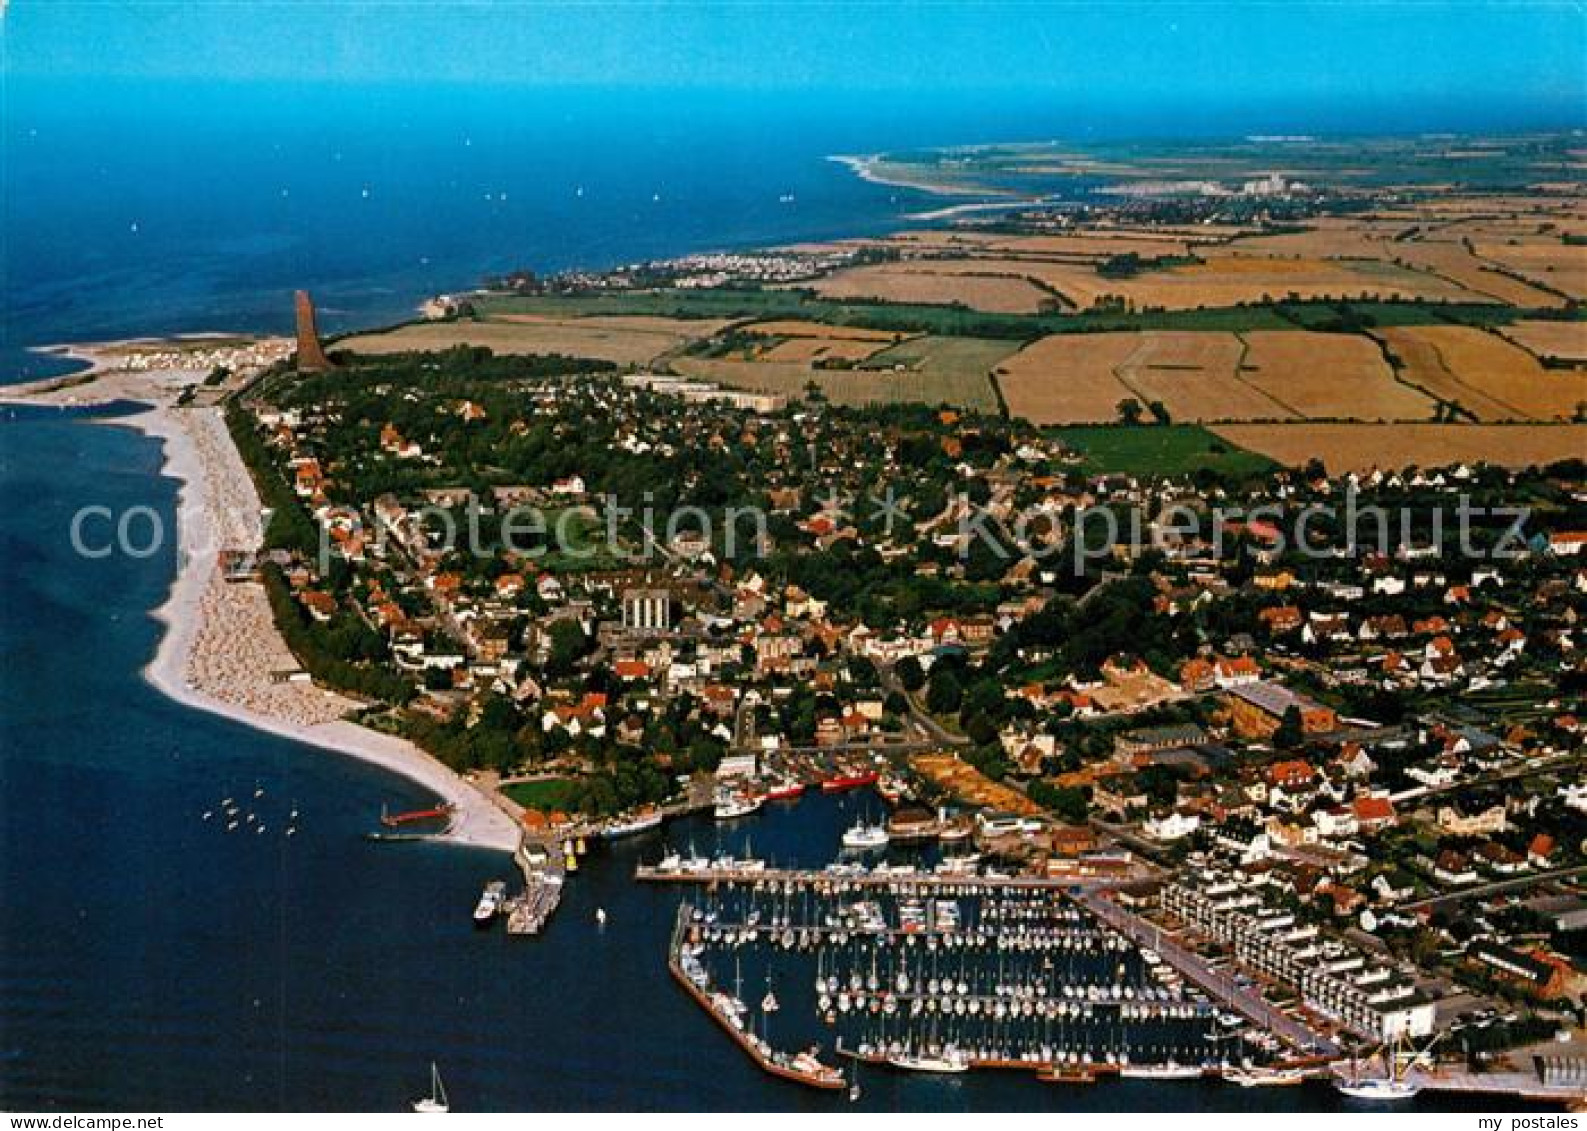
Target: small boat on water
x,y
600,916
865,837
844,781
490,903
436,1102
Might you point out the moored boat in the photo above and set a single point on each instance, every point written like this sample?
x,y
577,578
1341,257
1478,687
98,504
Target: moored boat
x,y
865,837
948,1062
842,781
490,903
731,805
633,824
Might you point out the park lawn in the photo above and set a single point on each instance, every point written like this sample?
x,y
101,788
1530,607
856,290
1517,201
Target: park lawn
x,y
546,795
1173,449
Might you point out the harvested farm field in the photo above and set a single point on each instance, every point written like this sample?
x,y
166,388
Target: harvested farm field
x,y
1488,376
925,282
1196,375
1557,341
1067,378
1361,447
1081,378
1329,376
622,339
1547,262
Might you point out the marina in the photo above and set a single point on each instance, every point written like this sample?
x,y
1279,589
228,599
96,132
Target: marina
x,y
944,976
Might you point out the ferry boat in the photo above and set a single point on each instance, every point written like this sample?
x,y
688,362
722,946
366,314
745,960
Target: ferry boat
x,y
632,825
864,837
490,903
842,782
731,805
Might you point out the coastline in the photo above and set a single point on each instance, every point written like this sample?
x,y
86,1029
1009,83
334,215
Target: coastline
x,y
203,525
864,167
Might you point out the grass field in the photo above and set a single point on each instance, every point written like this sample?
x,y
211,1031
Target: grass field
x,y
1359,447
546,795
1175,449
730,304
928,370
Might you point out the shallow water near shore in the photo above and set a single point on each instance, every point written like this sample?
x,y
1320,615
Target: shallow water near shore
x,y
149,959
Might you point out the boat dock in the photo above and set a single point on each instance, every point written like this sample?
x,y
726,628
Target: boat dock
x,y
825,880
527,914
1248,1002
803,1069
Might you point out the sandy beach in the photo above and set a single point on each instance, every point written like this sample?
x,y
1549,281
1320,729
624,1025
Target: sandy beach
x,y
220,651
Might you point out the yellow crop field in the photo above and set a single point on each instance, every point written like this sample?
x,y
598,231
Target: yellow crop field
x,y
934,282
1454,262
1548,261
1490,377
1067,378
1361,447
624,340
1562,341
1195,373
1333,376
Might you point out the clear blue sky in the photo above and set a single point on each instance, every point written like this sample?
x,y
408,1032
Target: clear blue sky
x,y
1518,54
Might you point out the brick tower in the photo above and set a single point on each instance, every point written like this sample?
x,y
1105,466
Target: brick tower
x,y
311,356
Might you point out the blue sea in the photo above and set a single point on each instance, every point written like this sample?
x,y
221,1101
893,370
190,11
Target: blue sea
x,y
149,959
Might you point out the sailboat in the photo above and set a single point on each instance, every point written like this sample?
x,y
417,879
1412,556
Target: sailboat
x,y
435,1103
1395,1085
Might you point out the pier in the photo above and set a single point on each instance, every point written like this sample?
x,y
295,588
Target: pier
x,y
827,880
1245,1001
728,1012
527,914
